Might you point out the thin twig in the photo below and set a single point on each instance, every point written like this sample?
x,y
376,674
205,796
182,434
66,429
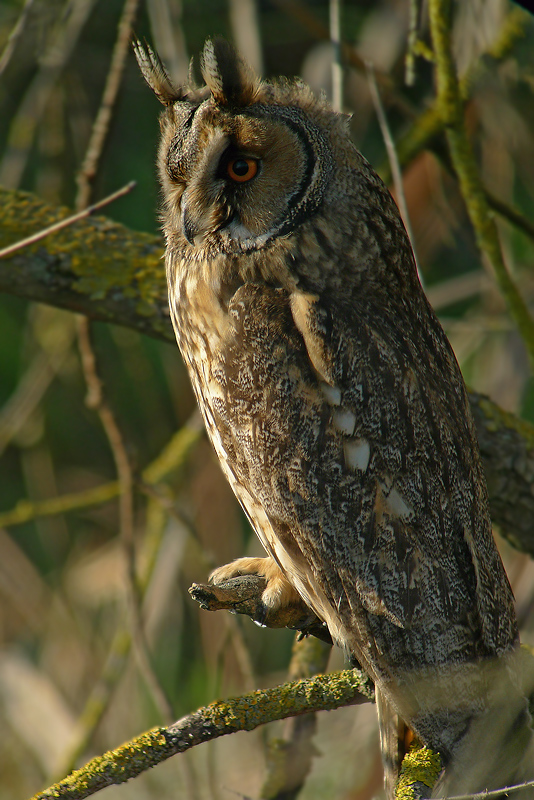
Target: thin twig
x,y
169,38
96,401
337,69
393,159
170,459
318,30
454,290
508,212
69,25
409,71
494,793
97,702
15,35
28,394
88,170
246,32
429,125
27,510
64,223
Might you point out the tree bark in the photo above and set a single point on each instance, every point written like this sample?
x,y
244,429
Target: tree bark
x,y
95,267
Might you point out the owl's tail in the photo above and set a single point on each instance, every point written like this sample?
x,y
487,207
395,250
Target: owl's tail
x,y
483,750
497,752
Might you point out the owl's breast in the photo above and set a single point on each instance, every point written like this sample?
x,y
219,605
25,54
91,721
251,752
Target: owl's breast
x,y
249,370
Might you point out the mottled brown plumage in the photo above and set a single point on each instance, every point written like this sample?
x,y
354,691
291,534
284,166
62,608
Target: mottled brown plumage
x,y
332,396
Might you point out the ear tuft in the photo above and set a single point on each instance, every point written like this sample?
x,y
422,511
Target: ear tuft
x,y
155,74
230,79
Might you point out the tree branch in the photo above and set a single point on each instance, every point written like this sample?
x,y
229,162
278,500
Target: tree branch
x,y
245,713
96,267
242,595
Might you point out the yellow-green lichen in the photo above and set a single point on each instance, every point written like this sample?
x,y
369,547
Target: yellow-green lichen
x,y
96,257
114,767
218,719
420,766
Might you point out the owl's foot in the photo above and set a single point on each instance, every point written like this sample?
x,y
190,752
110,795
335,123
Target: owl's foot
x,y
257,588
278,593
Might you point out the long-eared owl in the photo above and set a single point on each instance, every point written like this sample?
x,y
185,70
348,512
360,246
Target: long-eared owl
x,y
331,394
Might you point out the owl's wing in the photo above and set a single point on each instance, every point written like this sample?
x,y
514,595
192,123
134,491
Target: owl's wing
x,y
352,440
348,440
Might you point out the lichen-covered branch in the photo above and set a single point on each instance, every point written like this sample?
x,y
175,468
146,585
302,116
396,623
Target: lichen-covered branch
x,y
419,772
110,273
96,267
245,713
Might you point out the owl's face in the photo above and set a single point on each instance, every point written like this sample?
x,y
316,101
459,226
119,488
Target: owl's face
x,y
240,162
245,175
247,166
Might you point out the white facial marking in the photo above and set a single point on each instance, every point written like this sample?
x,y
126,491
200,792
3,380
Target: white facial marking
x,y
238,231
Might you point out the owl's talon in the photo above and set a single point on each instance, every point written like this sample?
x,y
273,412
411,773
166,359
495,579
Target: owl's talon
x,y
261,615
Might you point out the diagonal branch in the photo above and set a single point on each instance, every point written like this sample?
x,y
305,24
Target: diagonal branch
x,y
245,713
34,238
96,267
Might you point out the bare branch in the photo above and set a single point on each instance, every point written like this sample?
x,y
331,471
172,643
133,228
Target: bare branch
x,y
15,35
393,159
99,133
170,459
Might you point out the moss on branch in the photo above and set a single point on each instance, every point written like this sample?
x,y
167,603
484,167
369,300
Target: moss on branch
x,y
245,713
96,267
419,772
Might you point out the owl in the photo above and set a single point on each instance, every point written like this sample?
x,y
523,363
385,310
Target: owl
x,y
335,404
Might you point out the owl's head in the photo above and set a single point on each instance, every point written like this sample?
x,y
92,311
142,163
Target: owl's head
x,y
241,161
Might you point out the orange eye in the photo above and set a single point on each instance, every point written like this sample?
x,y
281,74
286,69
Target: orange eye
x,y
242,169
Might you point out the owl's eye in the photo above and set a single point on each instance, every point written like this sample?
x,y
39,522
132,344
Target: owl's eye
x,y
242,169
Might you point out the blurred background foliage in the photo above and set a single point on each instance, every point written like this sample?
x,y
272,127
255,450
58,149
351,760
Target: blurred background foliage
x,y
70,685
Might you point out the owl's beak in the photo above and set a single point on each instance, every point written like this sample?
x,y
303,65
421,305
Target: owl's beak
x,y
196,224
